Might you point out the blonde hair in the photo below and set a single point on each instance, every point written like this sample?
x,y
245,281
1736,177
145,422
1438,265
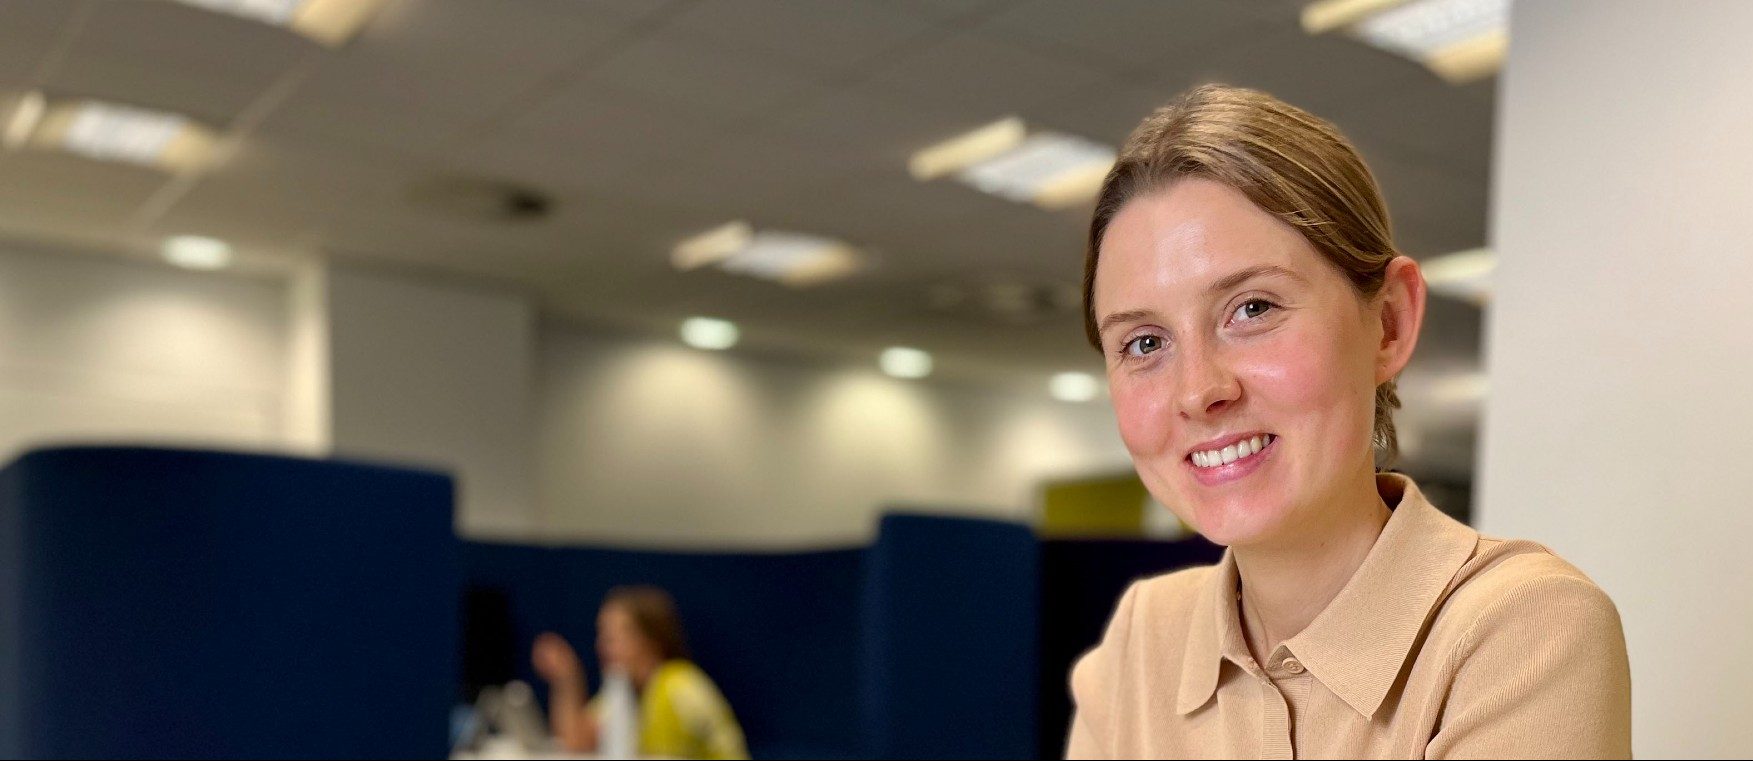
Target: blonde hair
x,y
1288,162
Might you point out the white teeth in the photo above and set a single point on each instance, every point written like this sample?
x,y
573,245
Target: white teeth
x,y
1239,450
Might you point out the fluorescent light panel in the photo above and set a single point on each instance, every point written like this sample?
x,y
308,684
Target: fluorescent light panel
x,y
197,253
1424,28
109,132
1073,387
713,246
276,12
25,117
1048,169
1327,15
793,259
330,22
965,150
904,362
1041,163
710,334
1459,40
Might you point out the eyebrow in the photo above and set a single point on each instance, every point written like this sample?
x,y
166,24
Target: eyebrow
x,y
1241,276
1225,283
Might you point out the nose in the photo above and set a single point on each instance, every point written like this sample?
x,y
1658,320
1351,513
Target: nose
x,y
1207,385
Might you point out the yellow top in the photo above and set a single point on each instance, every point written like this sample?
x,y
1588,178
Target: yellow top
x,y
683,715
1444,644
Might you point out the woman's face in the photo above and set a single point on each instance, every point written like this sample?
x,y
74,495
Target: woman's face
x,y
1225,330
620,644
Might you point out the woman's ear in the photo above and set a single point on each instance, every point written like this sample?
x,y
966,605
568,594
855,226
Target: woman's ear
x,y
1401,303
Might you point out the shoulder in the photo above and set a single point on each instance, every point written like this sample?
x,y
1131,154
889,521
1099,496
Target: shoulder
x,y
1158,598
1511,585
1169,597
1174,590
683,688
681,677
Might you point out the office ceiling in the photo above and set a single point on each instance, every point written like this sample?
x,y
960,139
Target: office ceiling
x,y
647,122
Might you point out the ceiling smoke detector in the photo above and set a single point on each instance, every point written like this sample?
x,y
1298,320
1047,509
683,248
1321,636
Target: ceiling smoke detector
x,y
481,200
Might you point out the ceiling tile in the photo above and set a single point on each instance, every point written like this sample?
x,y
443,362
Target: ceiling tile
x,y
210,66
1124,34
745,177
585,137
28,30
696,80
880,130
950,13
1107,114
425,73
278,191
985,78
1319,74
41,189
833,36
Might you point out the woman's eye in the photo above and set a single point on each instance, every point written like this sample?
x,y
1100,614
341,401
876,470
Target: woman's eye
x,y
1252,309
1143,345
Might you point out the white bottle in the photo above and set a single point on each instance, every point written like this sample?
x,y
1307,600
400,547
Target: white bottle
x,y
620,718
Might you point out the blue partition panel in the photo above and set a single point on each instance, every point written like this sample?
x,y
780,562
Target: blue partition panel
x,y
951,609
1081,582
196,604
11,590
778,632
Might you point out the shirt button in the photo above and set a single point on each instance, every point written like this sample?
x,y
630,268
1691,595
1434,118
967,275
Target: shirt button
x,y
1293,666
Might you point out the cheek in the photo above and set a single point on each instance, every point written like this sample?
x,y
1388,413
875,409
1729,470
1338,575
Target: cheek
x,y
1144,411
1309,383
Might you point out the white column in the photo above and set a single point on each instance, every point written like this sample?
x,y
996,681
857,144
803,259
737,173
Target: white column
x,y
1621,338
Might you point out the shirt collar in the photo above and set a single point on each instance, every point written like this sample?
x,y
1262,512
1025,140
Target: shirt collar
x,y
1358,644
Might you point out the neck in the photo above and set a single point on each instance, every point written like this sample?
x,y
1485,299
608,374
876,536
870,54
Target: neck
x,y
640,674
1284,586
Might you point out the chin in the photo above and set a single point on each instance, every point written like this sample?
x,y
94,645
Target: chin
x,y
1237,522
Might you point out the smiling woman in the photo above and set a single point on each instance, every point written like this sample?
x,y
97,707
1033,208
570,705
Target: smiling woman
x,y
1242,282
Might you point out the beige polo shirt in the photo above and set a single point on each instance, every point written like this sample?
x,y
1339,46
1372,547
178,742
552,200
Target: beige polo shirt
x,y
1444,644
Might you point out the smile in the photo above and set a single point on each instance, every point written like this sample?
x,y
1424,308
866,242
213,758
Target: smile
x,y
1241,450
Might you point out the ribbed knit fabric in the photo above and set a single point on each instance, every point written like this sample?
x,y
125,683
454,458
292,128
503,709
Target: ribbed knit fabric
x,y
1444,644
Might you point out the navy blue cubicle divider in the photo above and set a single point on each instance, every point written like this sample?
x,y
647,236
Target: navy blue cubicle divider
x,y
778,632
951,611
158,603
920,645
1081,581
164,603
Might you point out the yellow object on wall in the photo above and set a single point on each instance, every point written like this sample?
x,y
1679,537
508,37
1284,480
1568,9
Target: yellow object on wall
x,y
1100,506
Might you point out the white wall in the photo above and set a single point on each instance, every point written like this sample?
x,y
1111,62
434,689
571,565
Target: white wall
x,y
1621,338
95,349
654,443
429,374
554,436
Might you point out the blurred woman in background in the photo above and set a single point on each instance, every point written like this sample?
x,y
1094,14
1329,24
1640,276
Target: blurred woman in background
x,y
1242,281
639,637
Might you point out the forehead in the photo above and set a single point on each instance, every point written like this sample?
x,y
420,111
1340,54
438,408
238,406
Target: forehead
x,y
1175,242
